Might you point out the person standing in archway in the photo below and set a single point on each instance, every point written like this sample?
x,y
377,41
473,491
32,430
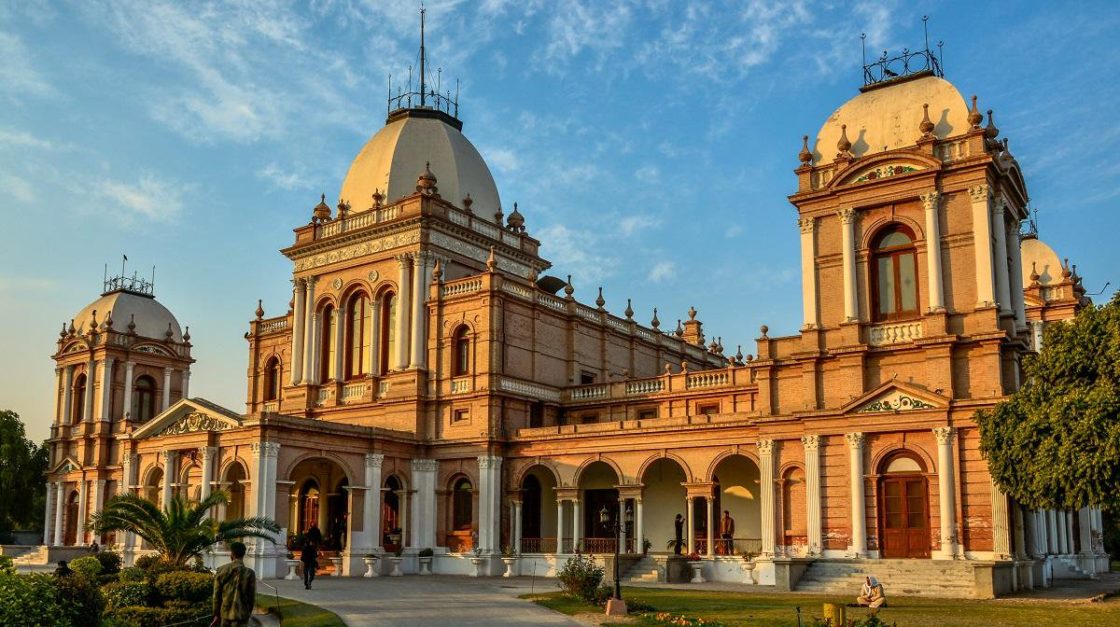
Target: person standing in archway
x,y
678,526
727,532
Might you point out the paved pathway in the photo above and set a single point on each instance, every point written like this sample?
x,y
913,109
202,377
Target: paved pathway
x,y
434,600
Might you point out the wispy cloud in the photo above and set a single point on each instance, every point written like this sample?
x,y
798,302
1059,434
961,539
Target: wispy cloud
x,y
149,198
578,252
17,188
19,75
661,271
283,178
23,139
629,225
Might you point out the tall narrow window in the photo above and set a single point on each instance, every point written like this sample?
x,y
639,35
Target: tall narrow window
x,y
79,402
143,399
894,274
327,325
461,352
272,380
357,336
388,333
461,514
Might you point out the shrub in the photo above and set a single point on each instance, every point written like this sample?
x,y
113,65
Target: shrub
x,y
426,553
7,565
30,600
580,577
88,566
137,616
185,586
80,598
132,574
147,562
124,594
110,562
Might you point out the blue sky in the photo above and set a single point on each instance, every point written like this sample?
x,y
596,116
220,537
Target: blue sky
x,y
650,144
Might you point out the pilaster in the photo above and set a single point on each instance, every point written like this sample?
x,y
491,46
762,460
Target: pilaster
x,y
859,505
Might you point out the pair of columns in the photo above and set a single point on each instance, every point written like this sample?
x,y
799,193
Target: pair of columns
x,y
577,520
998,258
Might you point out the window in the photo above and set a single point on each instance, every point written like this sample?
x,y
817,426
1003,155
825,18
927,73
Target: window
x,y
272,380
536,415
460,352
327,324
357,336
894,274
709,409
387,333
79,402
143,399
460,415
647,413
586,378
461,511
589,419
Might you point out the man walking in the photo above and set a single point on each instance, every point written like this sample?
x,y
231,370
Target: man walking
x,y
309,555
235,590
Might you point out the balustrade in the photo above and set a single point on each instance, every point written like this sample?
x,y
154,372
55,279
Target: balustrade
x,y
644,386
706,379
325,394
461,385
352,392
538,545
272,325
894,333
469,286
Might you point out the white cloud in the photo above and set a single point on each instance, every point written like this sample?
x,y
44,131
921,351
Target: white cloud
x,y
503,159
23,284
577,252
149,198
662,271
282,178
648,174
18,74
17,188
578,26
23,139
630,225
735,230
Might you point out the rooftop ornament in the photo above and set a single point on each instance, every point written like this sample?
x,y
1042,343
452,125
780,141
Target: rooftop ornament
x,y
424,95
887,69
134,284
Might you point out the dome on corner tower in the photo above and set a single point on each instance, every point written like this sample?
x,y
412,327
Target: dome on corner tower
x,y
886,117
397,154
151,318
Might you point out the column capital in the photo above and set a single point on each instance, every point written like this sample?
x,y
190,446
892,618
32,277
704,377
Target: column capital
x,y
265,449
944,434
931,200
998,205
847,214
374,460
855,440
979,193
310,281
811,442
403,259
167,370
168,455
765,447
489,461
108,360
807,225
207,452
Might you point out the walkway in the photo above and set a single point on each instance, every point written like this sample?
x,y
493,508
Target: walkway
x,y
434,600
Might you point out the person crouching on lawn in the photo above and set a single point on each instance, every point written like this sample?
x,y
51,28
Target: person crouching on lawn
x,y
871,594
235,590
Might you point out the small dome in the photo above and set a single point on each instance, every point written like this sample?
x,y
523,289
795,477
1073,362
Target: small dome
x,y
1040,258
392,158
152,318
888,117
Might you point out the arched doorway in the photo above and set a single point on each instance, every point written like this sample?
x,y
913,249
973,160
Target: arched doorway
x,y
153,487
597,489
70,536
738,492
308,511
234,483
538,511
904,530
321,501
663,497
461,512
794,535
392,521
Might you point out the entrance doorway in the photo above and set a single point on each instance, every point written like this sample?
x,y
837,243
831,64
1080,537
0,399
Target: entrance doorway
x,y
70,535
904,510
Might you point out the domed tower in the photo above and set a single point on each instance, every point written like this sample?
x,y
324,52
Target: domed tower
x,y
120,361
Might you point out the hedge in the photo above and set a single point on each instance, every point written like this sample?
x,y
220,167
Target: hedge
x,y
185,586
123,594
135,616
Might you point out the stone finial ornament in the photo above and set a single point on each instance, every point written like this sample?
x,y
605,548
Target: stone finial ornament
x,y
516,221
321,212
806,155
763,330
569,289
600,301
692,313
629,310
187,334
491,262
926,126
1065,270
668,368
378,198
739,353
712,346
467,202
844,146
93,322
426,182
655,323
70,330
168,333
974,115
498,216
1034,273
342,209
132,324
679,330
62,333
108,324
260,309
991,131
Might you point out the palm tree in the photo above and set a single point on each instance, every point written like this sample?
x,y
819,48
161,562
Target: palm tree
x,y
183,530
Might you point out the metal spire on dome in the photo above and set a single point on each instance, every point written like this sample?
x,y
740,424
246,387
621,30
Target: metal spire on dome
x,y
886,69
134,284
428,99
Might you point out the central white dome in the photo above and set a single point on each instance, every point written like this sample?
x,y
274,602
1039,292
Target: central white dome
x,y
393,158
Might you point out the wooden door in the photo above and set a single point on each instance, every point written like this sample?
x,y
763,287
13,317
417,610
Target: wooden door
x,y
904,517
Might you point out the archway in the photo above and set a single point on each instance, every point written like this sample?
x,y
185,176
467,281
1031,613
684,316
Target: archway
x,y
234,483
538,511
663,497
70,536
321,504
153,486
190,482
461,523
392,510
738,492
794,535
904,530
597,491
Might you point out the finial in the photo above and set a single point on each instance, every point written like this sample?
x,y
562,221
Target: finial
x,y
991,131
712,346
467,202
70,329
516,222
187,334
260,309
378,198
168,333
569,289
93,322
806,155
750,358
926,127
321,212
1034,273
655,323
491,262
437,271
974,115
739,353
426,182
679,330
691,313
1006,145
1065,268
132,324
343,208
629,310
844,145
719,345
108,324
498,216
763,329
62,333
600,301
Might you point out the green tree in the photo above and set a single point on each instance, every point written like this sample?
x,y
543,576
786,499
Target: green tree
x,y
1055,443
22,467
183,530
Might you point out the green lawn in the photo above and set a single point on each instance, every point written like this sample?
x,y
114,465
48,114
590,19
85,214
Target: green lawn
x,y
779,610
297,614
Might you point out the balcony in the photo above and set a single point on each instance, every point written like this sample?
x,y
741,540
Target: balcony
x,y
889,333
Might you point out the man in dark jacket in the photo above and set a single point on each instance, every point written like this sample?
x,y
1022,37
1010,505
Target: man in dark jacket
x,y
310,558
235,590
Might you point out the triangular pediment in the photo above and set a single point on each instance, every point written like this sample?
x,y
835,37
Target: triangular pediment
x,y
896,397
189,415
68,464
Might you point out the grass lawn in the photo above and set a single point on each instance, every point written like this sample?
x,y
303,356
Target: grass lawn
x,y
778,610
297,614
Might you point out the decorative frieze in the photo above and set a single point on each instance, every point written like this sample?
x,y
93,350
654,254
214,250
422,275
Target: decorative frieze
x,y
344,253
194,422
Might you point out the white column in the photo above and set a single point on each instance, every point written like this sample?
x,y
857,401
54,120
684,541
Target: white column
x,y
309,334
105,389
1063,532
982,244
424,505
808,227
401,332
262,477
931,202
621,539
859,505
1085,530
208,454
1098,530
60,395
1001,533
129,368
59,508
170,463
577,524
48,517
999,228
87,409
1070,540
130,467
186,381
419,297
298,330
559,525
339,341
83,511
711,537
811,444
946,480
67,396
516,535
98,495
1040,542
166,389
489,502
847,228
767,496
690,540
1014,251
639,526
375,337
1052,546
371,508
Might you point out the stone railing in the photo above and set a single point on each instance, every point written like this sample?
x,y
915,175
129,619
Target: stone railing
x,y
952,150
644,386
325,394
356,221
461,385
1052,292
518,386
894,333
681,381
706,380
383,388
468,285
590,392
272,325
355,392
271,407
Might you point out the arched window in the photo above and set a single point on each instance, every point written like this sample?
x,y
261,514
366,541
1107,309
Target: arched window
x,y
387,334
460,352
272,380
327,326
894,274
79,401
462,515
357,336
143,399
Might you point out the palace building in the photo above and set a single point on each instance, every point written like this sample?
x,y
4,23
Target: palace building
x,y
431,386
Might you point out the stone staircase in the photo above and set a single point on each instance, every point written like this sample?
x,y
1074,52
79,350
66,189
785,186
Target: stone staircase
x,y
1068,568
25,554
923,578
645,571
